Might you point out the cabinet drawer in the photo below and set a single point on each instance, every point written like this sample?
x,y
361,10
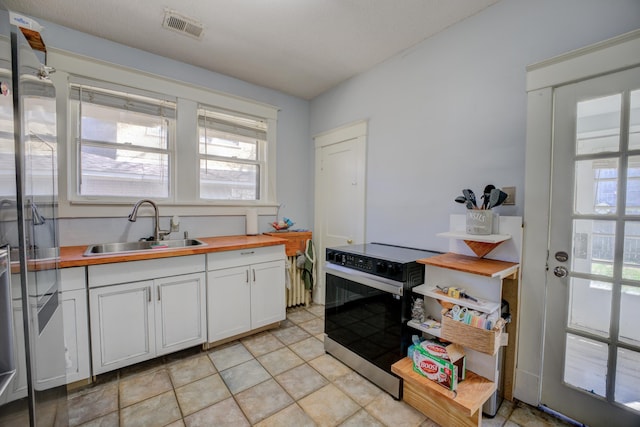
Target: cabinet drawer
x,y
134,271
72,279
228,259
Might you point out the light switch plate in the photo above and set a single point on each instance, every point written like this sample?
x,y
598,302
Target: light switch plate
x,y
511,195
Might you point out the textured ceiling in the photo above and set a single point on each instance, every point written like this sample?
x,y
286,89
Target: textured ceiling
x,y
300,47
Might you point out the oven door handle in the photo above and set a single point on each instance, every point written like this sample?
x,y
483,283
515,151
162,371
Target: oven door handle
x,y
380,283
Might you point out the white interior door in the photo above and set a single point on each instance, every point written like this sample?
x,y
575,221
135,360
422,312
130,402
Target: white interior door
x,y
591,364
340,193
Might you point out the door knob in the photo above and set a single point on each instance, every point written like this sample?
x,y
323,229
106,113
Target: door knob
x,y
349,241
560,271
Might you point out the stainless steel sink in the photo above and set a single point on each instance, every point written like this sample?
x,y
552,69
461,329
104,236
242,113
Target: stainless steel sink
x,y
142,246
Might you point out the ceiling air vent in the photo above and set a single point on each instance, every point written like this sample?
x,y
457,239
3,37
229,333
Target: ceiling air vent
x,y
182,24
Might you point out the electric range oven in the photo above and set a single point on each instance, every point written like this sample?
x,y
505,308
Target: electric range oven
x,y
367,306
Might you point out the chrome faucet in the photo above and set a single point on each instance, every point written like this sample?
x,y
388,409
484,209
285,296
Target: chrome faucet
x,y
157,233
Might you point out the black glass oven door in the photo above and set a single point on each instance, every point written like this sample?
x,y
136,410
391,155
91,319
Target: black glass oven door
x,y
365,320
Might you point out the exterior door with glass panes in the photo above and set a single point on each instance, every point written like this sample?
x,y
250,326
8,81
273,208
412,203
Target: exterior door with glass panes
x,y
591,366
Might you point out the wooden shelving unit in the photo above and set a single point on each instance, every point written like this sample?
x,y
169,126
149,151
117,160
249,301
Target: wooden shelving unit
x,y
462,408
490,280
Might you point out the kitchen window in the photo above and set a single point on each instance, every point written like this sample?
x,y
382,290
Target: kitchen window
x,y
123,142
232,152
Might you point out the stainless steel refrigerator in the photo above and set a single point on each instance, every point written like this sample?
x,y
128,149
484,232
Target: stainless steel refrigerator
x,y
32,350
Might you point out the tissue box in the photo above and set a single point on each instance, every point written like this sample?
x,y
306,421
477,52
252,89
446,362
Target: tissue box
x,y
442,363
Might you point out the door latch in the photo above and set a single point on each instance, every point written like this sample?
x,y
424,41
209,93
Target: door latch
x,y
560,271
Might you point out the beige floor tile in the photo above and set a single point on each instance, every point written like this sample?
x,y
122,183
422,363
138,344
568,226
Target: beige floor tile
x,y
286,323
202,393
316,309
159,411
244,376
526,415
190,370
280,360
362,418
309,348
394,412
142,367
179,423
330,367
140,387
314,327
290,335
300,315
94,404
430,423
358,388
328,406
262,343
497,421
292,415
321,336
223,414
109,420
231,355
301,381
263,400
506,408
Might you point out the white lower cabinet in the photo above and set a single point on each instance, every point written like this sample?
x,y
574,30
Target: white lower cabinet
x,y
122,325
180,312
136,321
248,294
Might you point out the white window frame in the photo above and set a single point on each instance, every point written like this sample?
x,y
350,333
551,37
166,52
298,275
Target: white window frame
x,y
74,144
261,154
185,200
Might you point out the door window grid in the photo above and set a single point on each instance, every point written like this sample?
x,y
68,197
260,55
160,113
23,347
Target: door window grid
x,y
617,258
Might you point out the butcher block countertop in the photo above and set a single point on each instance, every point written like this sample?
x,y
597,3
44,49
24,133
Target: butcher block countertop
x,y
72,256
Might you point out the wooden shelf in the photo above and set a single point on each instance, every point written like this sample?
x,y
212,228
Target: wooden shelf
x,y
433,292
440,404
480,244
482,267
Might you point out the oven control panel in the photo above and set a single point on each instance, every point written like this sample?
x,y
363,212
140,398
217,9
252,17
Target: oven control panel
x,y
388,269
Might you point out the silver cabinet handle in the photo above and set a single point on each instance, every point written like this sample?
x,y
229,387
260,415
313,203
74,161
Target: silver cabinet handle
x,y
247,252
148,288
159,293
254,274
247,272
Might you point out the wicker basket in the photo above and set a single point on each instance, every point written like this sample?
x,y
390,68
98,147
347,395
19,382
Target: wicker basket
x,y
485,341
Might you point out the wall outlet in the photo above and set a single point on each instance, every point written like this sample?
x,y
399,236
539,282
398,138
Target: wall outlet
x,y
511,195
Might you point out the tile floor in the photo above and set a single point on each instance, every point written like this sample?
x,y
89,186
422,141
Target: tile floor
x,y
280,377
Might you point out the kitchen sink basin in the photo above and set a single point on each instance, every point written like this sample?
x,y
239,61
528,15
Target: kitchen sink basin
x,y
142,246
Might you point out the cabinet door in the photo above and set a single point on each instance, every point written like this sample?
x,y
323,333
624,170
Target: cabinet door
x,y
228,302
180,312
122,325
268,297
76,335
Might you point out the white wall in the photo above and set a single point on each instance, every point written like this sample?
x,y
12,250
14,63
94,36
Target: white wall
x,y
450,113
294,153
